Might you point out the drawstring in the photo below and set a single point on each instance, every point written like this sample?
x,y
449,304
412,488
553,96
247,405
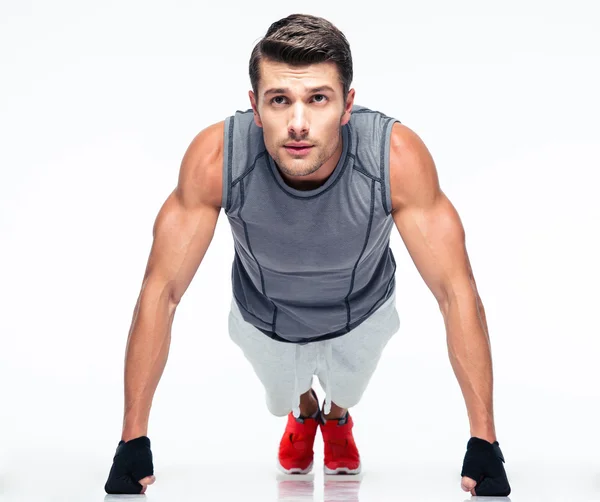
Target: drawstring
x,y
328,353
296,395
328,363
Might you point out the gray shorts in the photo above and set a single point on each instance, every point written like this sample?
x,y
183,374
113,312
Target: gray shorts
x,y
343,365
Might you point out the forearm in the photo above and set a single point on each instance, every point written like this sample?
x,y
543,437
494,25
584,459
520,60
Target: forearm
x,y
470,357
146,356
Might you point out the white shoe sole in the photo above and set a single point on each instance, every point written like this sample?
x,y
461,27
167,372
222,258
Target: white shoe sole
x,y
341,470
295,470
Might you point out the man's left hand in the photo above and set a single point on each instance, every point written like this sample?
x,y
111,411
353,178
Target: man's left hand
x,y
483,470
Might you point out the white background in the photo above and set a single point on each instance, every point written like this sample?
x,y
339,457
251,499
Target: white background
x,y
98,102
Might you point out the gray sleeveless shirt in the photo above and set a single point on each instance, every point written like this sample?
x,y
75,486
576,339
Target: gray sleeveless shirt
x,y
310,264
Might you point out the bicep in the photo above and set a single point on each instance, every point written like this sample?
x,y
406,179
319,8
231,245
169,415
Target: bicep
x,y
435,239
181,237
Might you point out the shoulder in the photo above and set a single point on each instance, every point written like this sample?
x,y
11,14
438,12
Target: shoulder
x,y
363,116
201,172
413,174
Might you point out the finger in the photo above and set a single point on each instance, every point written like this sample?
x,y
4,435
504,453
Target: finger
x,y
467,483
142,469
148,480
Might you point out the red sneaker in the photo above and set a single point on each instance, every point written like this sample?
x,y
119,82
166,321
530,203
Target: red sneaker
x,y
296,446
341,454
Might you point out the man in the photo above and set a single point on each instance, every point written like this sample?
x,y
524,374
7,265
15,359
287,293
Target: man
x,y
311,184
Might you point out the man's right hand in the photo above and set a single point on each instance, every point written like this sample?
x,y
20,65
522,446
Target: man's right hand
x,y
132,469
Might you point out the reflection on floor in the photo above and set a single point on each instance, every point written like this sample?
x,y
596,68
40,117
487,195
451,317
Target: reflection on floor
x,y
336,488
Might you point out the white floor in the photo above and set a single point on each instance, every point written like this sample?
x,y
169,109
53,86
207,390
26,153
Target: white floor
x,y
70,475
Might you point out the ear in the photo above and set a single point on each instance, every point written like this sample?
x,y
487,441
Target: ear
x,y
252,97
348,107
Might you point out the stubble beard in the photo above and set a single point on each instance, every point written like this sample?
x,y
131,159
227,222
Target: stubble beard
x,y
304,167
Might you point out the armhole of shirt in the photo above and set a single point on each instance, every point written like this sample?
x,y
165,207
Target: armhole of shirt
x,y
227,159
385,163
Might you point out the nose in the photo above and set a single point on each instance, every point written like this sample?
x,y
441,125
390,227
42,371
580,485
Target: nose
x,y
298,125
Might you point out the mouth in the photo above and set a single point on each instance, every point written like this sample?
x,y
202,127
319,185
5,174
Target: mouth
x,y
298,150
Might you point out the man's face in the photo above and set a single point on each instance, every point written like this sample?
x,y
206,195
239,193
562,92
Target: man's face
x,y
301,110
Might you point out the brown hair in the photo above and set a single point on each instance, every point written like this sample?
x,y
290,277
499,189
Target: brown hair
x,y
301,39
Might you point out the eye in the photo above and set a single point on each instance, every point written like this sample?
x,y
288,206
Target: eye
x,y
320,96
277,102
